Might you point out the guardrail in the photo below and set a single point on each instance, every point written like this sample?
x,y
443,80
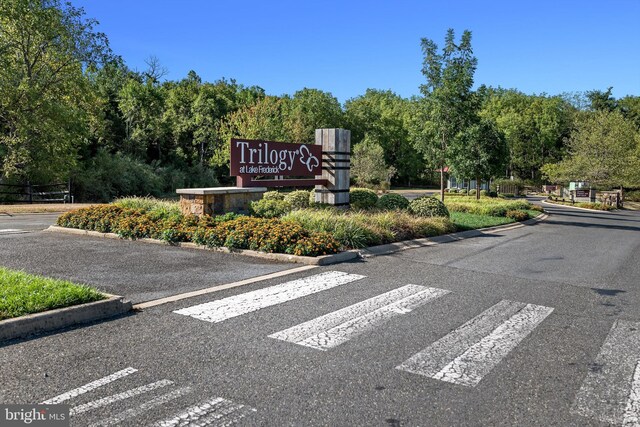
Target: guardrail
x,y
30,193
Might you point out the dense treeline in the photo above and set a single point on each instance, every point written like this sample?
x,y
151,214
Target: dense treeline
x,y
72,110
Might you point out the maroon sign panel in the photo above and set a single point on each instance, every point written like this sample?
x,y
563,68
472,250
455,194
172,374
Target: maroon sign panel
x,y
269,158
583,193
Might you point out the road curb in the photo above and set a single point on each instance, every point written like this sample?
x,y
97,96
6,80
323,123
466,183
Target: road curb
x,y
544,202
52,320
319,260
391,248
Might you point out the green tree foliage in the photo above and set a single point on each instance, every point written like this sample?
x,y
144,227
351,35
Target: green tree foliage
x,y
480,153
262,120
601,100
534,127
447,107
383,117
44,46
368,166
630,107
603,149
308,110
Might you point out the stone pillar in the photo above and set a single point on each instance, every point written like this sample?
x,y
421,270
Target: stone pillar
x,y
336,158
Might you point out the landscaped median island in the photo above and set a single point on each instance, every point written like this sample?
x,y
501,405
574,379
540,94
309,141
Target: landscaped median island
x,y
291,223
22,294
596,206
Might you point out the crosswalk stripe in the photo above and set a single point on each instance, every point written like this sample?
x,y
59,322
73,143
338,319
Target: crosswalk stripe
x,y
632,411
220,310
335,328
611,390
146,406
90,386
118,397
216,412
471,351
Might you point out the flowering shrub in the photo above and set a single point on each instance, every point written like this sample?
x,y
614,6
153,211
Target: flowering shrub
x,y
230,230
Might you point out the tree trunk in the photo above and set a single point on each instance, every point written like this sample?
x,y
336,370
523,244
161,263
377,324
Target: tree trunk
x,y
442,183
477,188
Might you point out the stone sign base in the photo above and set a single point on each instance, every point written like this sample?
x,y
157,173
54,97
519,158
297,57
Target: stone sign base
x,y
217,200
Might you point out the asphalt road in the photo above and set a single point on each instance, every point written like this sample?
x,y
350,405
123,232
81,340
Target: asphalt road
x,y
533,326
19,223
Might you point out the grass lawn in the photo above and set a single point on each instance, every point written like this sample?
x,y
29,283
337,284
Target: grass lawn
x,y
22,293
468,221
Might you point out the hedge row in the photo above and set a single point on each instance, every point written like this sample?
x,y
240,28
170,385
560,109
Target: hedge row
x,y
490,207
275,204
230,230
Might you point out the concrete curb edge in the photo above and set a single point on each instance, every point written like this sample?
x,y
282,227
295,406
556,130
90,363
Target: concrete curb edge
x,y
391,248
52,320
319,260
544,202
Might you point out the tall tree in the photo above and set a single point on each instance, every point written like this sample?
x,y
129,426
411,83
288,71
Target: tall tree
x,y
602,100
382,117
311,109
604,149
447,105
44,48
534,126
481,152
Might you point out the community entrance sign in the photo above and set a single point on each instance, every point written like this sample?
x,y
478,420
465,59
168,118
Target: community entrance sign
x,y
261,164
275,164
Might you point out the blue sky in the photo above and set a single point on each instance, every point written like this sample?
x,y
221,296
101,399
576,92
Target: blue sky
x,y
345,47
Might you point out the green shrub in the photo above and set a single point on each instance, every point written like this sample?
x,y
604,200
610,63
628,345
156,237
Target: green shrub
x,y
230,230
493,194
517,215
483,193
298,199
273,195
360,229
362,198
453,190
632,196
462,191
392,201
428,207
269,208
158,208
472,192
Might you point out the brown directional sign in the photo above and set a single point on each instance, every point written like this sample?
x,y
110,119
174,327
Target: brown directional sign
x,y
583,193
270,158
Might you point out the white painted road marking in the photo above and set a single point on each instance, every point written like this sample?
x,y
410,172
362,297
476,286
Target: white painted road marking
x,y
471,351
611,390
118,397
12,231
216,412
90,386
632,411
220,310
335,328
150,404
